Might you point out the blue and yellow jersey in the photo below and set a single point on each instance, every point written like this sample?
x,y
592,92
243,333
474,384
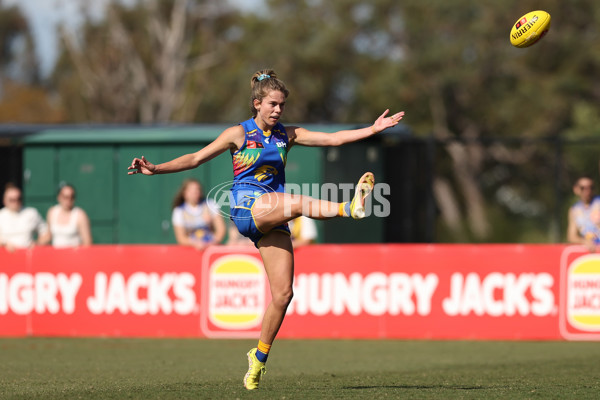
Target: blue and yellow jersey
x,y
259,165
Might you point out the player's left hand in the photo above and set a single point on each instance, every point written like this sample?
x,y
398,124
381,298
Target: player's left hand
x,y
383,122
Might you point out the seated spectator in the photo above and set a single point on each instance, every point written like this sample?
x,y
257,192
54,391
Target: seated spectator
x,y
19,225
196,220
584,216
303,231
69,225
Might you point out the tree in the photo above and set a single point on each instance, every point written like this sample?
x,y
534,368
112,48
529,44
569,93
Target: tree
x,y
22,98
137,65
28,104
469,85
17,59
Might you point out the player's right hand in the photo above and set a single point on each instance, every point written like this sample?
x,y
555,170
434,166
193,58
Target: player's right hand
x,y
141,165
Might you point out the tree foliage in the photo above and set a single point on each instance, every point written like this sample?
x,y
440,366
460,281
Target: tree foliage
x,y
473,86
16,46
22,98
142,64
28,104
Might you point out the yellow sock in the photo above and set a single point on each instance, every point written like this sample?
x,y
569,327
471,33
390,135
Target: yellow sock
x,y
263,347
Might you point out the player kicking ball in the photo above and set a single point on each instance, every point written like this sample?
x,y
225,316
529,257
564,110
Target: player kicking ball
x,y
260,208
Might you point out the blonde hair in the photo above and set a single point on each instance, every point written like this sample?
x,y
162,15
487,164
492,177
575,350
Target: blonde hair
x,y
263,82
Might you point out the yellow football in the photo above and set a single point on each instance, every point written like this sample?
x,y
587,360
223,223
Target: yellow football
x,y
530,28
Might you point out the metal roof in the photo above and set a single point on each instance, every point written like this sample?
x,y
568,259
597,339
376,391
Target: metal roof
x,y
102,133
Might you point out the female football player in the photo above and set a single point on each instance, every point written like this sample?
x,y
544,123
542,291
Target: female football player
x,y
261,208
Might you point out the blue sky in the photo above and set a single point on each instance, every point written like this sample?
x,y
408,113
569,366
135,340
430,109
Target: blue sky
x,y
45,16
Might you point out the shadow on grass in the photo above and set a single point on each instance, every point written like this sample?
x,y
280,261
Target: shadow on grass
x,y
414,387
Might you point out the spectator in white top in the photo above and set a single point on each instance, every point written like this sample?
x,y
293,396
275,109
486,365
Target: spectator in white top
x,y
196,220
20,225
69,225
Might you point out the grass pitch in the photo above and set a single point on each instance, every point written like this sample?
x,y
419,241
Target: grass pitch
x,y
58,368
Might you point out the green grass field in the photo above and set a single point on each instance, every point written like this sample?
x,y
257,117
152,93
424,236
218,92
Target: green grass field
x,y
57,368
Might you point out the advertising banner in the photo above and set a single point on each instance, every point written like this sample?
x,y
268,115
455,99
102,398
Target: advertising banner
x,y
100,291
501,291
426,291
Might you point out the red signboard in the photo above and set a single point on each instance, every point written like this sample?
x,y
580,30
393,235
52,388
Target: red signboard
x,y
437,291
101,291
340,291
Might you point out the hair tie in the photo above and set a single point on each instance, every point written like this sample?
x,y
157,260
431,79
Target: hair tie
x,y
262,76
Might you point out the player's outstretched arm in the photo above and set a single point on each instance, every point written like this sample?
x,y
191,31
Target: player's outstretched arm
x,y
231,138
305,137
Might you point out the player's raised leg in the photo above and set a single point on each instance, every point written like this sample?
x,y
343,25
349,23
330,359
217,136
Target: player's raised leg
x,y
273,209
